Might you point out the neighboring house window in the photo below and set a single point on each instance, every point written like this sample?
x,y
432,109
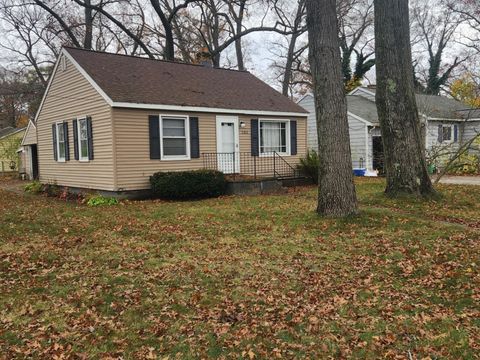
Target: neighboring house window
x,y
83,139
274,137
174,137
447,135
61,149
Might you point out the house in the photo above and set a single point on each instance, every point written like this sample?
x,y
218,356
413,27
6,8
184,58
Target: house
x,y
109,121
444,122
10,157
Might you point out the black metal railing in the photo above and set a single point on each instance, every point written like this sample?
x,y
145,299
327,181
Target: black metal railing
x,y
243,164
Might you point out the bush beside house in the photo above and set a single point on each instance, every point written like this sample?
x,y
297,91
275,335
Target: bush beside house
x,y
183,185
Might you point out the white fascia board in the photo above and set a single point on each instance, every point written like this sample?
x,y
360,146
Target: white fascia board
x,y
453,120
362,89
204,109
88,77
304,97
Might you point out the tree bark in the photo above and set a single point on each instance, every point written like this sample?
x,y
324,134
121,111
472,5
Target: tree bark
x,y
396,104
87,40
336,194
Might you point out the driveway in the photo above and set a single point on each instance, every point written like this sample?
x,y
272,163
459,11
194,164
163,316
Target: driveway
x,y
461,180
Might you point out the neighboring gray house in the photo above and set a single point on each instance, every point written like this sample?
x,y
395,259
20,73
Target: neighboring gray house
x,y
445,122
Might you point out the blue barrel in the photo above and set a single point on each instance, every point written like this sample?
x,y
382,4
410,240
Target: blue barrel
x,y
359,172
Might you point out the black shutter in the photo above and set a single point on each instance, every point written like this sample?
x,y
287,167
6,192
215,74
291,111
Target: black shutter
x,y
90,138
440,133
54,139
254,137
293,137
75,139
455,133
194,138
65,138
154,132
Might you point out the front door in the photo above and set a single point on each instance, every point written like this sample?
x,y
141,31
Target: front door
x,y
228,155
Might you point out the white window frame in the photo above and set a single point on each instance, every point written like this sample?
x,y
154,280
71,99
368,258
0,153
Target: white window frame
x,y
79,142
186,118
59,159
452,133
288,139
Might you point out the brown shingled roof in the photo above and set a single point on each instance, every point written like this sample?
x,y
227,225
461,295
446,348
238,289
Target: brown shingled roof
x,y
139,80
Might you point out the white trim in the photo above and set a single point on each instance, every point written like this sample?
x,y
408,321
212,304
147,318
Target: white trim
x,y
79,140
186,119
57,144
304,97
236,133
88,77
205,109
452,120
362,89
287,135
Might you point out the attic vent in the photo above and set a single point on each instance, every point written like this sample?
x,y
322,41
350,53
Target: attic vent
x,y
63,63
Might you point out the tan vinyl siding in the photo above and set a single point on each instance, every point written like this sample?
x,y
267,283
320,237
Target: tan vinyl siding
x,y
30,136
133,164
70,96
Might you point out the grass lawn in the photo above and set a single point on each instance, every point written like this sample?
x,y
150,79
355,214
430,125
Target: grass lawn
x,y
241,277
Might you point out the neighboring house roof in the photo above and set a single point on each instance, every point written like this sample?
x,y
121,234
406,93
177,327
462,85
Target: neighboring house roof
x,y
363,108
438,107
141,81
5,132
359,107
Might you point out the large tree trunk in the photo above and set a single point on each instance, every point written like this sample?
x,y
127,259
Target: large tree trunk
x,y
336,194
397,109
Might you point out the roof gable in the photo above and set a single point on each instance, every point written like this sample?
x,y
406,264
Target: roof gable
x,y
130,81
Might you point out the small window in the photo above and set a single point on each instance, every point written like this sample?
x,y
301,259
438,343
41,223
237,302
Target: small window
x,y
274,137
60,142
83,140
174,136
447,133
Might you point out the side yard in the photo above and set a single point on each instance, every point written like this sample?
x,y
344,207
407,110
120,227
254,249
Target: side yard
x,y
251,277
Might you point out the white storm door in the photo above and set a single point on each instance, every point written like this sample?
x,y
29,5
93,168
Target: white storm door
x,y
228,155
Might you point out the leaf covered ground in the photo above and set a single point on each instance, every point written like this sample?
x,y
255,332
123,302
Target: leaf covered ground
x,y
241,277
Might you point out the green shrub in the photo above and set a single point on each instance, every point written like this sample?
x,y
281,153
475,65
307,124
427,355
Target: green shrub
x,y
309,165
35,187
184,185
466,164
99,200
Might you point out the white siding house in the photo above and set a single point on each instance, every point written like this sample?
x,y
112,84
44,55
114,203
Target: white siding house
x,y
445,123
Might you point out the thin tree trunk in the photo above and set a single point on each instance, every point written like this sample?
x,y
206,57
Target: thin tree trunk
x,y
169,50
87,41
336,194
238,42
396,105
287,76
